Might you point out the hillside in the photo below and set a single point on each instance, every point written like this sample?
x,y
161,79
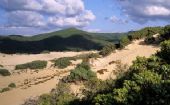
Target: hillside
x,y
64,40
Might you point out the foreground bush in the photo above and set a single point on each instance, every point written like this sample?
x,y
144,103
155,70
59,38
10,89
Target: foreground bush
x,y
4,72
63,62
32,65
165,50
107,50
81,73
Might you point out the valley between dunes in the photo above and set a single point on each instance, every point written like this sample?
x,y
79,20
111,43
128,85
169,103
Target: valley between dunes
x,y
43,81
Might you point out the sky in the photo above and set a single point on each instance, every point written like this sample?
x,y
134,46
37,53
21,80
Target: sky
x,y
31,17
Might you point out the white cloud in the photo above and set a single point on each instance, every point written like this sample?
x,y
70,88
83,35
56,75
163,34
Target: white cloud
x,y
46,13
115,19
93,30
142,11
78,21
157,10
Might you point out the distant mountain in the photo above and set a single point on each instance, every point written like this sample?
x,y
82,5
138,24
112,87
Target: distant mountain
x,y
70,39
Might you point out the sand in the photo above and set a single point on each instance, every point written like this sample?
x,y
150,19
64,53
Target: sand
x,y
126,56
32,83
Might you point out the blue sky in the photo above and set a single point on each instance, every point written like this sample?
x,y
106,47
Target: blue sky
x,y
31,17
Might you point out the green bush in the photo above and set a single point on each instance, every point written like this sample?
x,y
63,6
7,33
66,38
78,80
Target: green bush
x,y
62,62
1,65
165,50
4,72
12,85
107,50
86,57
80,73
166,32
5,89
45,52
124,41
145,32
45,99
149,40
32,65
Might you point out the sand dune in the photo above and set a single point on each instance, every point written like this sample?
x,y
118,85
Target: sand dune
x,y
48,78
126,56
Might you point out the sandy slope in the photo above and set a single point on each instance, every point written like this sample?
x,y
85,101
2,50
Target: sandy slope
x,y
126,56
27,81
31,83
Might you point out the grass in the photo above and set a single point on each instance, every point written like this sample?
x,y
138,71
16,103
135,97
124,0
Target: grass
x,y
32,65
4,72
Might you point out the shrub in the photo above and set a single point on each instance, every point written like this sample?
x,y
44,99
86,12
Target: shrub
x,y
62,62
5,89
86,57
149,40
12,85
80,73
1,65
124,41
166,32
32,65
107,50
65,99
45,52
165,50
45,99
4,72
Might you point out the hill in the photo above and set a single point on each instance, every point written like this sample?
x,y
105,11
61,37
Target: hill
x,y
70,39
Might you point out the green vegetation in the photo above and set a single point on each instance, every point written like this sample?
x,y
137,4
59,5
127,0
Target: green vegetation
x,y
12,85
63,62
81,73
59,96
4,72
165,34
107,50
147,82
1,65
45,52
86,57
145,32
64,40
124,41
5,89
32,65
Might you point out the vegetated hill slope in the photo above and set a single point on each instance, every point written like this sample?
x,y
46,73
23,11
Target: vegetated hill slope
x,y
63,40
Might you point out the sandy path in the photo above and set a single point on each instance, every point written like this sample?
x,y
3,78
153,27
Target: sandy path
x,y
126,56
